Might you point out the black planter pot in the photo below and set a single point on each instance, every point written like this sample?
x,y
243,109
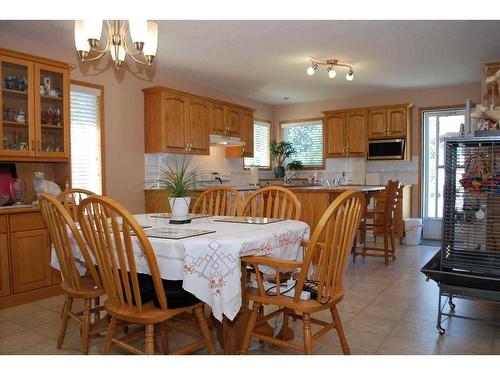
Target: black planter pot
x,y
279,172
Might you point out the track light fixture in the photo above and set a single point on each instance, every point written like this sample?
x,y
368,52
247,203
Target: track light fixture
x,y
330,63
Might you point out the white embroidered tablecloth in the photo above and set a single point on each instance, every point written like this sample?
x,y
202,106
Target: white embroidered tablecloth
x,y
210,265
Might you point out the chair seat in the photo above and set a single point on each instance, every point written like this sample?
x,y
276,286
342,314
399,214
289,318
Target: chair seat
x,y
304,306
88,288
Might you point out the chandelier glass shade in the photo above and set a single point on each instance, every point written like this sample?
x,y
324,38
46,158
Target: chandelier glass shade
x,y
136,38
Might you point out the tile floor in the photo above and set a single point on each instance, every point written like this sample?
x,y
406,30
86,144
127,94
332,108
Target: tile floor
x,y
386,310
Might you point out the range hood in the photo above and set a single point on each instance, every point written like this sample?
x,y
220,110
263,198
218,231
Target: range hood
x,y
220,140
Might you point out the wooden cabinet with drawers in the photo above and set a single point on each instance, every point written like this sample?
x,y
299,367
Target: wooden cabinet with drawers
x,y
345,134
25,258
179,122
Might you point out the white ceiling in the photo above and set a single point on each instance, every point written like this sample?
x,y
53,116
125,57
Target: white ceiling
x,y
266,60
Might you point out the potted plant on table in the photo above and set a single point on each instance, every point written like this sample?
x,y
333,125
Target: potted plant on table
x,y
281,151
177,179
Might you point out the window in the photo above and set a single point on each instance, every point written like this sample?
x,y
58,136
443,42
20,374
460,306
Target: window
x,y
261,141
307,138
86,145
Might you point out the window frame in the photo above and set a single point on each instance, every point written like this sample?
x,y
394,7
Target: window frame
x,y
101,126
319,119
269,146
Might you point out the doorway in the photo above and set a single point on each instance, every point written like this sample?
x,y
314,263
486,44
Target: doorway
x,y
437,124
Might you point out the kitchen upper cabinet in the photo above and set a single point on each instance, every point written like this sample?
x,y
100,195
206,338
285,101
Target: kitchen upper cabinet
x,y
246,133
345,134
335,135
232,120
175,123
388,122
356,133
217,125
396,122
30,257
377,120
179,122
197,128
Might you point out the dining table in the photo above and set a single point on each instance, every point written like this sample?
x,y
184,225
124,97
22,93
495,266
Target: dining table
x,y
206,255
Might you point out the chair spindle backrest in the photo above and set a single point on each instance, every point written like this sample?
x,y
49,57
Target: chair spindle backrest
x,y
220,200
391,196
273,202
71,198
331,244
61,225
118,243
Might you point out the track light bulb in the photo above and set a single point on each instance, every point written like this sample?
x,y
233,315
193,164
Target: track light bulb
x,y
331,72
312,69
349,76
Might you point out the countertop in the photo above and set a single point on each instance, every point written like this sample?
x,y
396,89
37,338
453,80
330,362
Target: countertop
x,y
338,189
18,210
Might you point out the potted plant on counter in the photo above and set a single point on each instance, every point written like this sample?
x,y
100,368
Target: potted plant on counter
x,y
280,151
177,179
295,165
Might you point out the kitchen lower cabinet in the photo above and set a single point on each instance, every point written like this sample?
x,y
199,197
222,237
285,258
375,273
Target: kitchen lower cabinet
x,y
4,266
25,258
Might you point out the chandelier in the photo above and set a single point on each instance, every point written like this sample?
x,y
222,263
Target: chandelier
x,y
137,39
330,64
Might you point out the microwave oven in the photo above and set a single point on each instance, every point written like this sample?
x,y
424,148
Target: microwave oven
x,y
386,149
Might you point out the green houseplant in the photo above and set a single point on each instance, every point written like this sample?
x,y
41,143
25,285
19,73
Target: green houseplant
x,y
178,179
295,165
279,152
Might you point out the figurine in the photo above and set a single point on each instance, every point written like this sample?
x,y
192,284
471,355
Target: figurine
x,y
42,185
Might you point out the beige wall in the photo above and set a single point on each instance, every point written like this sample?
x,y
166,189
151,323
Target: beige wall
x,y
441,96
124,108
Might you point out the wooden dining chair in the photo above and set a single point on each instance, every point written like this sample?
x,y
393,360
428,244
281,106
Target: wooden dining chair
x,y
331,244
273,202
120,247
88,287
219,200
381,219
71,198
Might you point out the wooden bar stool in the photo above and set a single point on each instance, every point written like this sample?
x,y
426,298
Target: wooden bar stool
x,y
381,219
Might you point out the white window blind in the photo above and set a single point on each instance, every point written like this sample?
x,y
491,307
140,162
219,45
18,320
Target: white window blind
x,y
261,143
307,138
86,138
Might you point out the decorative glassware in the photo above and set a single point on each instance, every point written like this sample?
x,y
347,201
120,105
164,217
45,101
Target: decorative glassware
x,y
17,189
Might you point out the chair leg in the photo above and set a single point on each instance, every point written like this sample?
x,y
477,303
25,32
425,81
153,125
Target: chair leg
x,y
202,322
340,330
286,318
393,247
363,238
86,326
97,314
150,344
109,336
68,302
386,246
307,333
250,327
164,337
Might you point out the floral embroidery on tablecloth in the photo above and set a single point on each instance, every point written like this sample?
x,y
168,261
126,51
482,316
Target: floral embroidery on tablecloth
x,y
216,283
189,268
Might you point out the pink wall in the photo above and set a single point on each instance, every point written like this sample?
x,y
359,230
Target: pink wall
x,y
441,96
124,111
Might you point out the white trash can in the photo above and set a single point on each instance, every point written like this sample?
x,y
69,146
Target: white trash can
x,y
413,231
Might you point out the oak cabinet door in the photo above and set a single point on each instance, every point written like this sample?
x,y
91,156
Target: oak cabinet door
x,y
174,122
396,122
197,128
377,123
217,119
232,120
335,135
4,266
30,257
356,133
247,133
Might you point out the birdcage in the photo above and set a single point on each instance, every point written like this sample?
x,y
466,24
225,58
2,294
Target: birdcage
x,y
468,263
